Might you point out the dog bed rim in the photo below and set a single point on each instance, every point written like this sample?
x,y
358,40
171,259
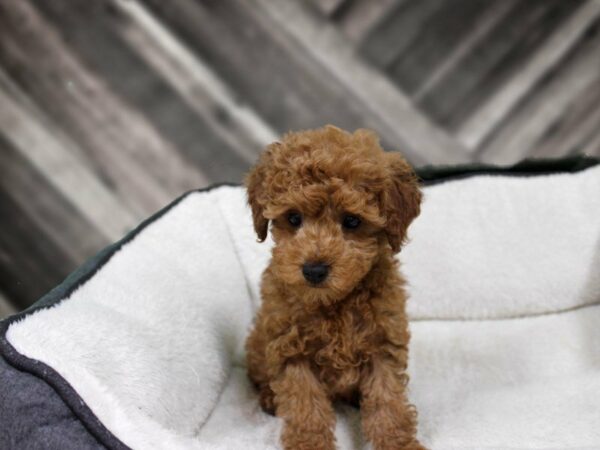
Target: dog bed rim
x,y
428,175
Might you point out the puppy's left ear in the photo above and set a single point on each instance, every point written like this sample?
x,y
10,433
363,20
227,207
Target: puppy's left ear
x,y
402,199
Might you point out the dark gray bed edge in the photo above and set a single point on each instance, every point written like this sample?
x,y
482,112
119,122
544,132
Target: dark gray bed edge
x,y
33,415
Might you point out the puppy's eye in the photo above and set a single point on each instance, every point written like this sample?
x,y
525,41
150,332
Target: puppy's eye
x,y
350,222
294,219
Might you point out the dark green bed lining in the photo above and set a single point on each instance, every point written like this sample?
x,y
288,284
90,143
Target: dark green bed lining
x,y
527,167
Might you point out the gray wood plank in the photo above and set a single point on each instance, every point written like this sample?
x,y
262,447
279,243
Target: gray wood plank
x,y
276,76
290,84
41,204
485,118
575,130
393,115
438,36
196,83
551,103
397,30
490,18
110,138
501,54
30,263
43,237
592,147
92,33
362,15
56,159
329,7
6,307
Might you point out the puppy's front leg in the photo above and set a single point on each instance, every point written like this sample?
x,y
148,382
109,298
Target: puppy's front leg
x,y
389,421
302,403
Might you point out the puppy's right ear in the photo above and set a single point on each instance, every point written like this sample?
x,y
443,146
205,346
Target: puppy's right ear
x,y
403,199
255,188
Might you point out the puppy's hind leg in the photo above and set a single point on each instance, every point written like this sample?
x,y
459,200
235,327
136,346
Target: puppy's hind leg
x,y
257,371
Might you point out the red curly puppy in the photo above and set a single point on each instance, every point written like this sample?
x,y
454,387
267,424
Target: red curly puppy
x,y
332,324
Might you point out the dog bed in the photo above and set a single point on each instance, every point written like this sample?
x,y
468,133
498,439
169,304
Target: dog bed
x,y
142,347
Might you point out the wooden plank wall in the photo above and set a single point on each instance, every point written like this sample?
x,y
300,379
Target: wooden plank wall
x,y
109,109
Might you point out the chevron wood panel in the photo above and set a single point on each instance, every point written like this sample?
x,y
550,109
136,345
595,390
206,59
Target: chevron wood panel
x,y
111,108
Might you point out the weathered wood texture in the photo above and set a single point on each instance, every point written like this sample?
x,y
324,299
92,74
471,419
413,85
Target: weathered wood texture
x,y
6,308
111,108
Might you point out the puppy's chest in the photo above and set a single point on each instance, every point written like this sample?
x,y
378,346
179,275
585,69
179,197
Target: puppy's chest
x,y
339,342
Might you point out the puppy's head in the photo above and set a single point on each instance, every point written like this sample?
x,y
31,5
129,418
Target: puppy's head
x,y
336,202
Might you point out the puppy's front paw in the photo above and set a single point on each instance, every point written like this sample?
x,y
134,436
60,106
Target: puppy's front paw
x,y
395,445
416,446
392,429
302,439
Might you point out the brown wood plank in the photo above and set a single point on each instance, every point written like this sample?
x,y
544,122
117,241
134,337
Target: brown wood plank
x,y
502,54
561,99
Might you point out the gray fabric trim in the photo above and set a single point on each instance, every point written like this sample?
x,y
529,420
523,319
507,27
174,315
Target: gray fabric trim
x,y
33,416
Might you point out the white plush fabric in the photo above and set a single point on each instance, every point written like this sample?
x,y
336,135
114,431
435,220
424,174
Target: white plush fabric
x,y
505,302
497,247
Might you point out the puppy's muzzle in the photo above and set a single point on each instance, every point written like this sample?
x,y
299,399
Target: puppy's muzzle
x,y
315,273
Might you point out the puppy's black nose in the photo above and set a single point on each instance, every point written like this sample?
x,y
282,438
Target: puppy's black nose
x,y
315,273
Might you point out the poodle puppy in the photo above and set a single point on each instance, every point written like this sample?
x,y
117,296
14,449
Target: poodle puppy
x,y
332,324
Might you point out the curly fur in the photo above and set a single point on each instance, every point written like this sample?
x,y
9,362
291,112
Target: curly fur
x,y
346,338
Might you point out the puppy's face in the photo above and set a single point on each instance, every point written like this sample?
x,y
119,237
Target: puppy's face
x,y
336,201
326,239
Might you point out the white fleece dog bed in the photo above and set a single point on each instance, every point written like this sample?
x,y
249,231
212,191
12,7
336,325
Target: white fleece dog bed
x,y
144,344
